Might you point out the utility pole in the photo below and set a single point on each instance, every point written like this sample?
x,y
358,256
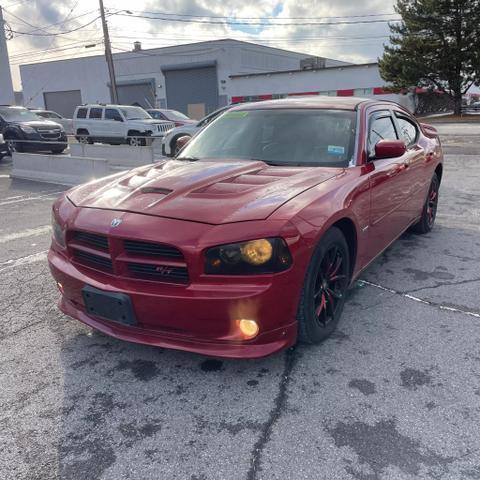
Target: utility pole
x,y
108,55
6,88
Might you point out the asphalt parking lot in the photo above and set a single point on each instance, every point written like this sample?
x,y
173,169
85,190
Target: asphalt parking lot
x,y
394,394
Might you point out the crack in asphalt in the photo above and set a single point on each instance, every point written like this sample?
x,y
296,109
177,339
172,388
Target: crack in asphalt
x,y
276,412
421,300
441,284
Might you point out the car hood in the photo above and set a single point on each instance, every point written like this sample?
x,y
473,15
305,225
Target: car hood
x,y
39,124
207,191
149,121
187,129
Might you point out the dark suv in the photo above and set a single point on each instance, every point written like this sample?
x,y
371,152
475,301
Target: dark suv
x,y
3,147
25,131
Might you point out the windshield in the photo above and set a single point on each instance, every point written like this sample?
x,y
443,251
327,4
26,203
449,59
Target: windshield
x,y
135,113
18,115
310,137
174,115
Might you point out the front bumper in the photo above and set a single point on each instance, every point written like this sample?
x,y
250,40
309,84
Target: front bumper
x,y
197,318
35,142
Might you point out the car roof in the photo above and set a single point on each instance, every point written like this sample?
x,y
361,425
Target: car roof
x,y
313,101
106,105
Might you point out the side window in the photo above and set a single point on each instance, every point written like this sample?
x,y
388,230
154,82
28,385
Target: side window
x,y
95,113
407,130
381,128
113,114
82,113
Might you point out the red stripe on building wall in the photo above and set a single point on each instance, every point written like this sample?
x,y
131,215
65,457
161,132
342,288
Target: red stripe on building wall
x,y
345,93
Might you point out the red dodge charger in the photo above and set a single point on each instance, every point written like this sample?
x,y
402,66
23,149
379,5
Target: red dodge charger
x,y
249,239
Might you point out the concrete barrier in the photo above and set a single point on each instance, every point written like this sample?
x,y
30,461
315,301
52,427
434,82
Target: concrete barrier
x,y
123,155
60,169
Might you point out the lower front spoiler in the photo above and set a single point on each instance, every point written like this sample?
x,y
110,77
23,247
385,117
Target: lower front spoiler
x,y
265,344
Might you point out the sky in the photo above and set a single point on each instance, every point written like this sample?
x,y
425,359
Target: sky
x,y
276,23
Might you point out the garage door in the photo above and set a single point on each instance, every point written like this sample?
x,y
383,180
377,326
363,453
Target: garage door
x,y
63,103
193,91
141,94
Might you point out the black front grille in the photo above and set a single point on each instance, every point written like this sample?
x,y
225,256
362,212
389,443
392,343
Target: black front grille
x,y
135,247
92,260
92,240
160,273
50,134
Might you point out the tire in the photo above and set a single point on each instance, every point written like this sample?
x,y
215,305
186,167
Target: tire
x,y
324,291
57,151
136,141
429,212
83,137
13,144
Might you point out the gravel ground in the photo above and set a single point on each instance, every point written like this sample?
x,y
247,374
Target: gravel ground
x,y
394,394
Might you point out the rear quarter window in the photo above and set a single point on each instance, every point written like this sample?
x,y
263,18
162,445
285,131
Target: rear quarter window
x,y
407,130
82,113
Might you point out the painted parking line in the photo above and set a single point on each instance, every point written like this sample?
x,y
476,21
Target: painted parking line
x,y
30,232
46,196
35,257
4,176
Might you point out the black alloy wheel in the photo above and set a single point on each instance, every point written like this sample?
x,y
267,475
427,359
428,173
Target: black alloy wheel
x,y
324,291
429,212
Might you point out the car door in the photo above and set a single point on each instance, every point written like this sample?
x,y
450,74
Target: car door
x,y
113,123
418,174
388,185
96,126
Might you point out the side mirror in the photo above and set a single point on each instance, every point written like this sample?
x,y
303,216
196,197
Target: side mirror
x,y
390,148
182,141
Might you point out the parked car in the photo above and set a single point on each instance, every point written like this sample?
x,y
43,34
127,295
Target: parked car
x,y
249,240
169,142
66,123
178,118
116,124
23,130
3,147
475,106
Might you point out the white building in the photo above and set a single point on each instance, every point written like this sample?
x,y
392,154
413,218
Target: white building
x,y
198,78
6,88
345,80
194,78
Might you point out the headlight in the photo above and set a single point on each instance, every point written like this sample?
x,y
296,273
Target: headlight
x,y
27,129
265,255
57,231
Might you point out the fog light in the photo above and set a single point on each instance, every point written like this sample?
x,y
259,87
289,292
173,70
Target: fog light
x,y
60,287
249,328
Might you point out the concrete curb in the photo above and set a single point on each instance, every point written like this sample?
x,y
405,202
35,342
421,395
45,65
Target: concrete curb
x,y
117,154
60,169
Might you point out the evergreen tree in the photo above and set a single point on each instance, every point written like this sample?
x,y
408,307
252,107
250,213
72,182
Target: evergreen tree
x,y
437,44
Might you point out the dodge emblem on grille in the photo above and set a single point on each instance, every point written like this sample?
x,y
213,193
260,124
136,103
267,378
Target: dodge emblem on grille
x,y
116,222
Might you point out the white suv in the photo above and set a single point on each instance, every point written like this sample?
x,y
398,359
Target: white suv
x,y
116,124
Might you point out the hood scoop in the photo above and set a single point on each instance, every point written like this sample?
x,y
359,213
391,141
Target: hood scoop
x,y
159,190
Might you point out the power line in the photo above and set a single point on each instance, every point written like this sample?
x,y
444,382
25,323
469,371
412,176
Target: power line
x,y
263,24
262,18
44,27
57,33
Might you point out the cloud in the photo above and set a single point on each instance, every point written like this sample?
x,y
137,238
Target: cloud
x,y
360,42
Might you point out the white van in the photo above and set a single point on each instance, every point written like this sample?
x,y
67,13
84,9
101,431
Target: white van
x,y
116,124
